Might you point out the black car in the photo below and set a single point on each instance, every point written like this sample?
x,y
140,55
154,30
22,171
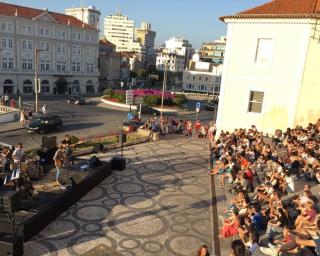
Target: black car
x,y
77,100
211,105
45,124
145,110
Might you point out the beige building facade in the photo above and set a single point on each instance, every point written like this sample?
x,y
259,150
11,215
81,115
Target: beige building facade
x,y
67,62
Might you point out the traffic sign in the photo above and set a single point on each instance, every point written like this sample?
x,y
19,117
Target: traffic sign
x,y
129,97
130,116
198,105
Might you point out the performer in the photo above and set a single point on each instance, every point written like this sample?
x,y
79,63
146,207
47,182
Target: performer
x,y
59,158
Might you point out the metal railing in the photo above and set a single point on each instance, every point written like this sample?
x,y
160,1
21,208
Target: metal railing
x,y
198,96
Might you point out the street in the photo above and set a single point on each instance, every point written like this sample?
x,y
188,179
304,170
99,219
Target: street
x,y
79,120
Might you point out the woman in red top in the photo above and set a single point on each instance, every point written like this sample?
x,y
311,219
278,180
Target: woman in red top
x,y
230,226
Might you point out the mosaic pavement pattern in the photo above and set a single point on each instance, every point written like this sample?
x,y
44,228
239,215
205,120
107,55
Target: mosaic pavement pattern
x,y
159,205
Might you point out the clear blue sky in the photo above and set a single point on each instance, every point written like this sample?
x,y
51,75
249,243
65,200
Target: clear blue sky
x,y
196,20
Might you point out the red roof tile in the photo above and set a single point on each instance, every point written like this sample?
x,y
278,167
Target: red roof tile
x,y
281,9
107,43
30,13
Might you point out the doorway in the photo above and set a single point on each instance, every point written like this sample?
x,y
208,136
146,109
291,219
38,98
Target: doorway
x,y
62,85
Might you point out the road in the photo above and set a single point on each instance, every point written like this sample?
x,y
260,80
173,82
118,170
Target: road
x,y
81,121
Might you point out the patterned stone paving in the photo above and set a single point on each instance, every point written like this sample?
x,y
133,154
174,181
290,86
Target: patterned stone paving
x,y
160,205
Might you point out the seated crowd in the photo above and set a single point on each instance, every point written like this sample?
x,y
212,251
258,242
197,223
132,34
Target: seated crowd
x,y
261,174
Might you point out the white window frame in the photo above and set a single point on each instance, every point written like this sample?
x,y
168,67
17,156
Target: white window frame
x,y
258,54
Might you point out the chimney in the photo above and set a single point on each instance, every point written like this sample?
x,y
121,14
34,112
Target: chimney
x,y
16,13
68,22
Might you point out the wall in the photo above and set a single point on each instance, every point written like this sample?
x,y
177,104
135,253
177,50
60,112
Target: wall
x,y
308,109
280,80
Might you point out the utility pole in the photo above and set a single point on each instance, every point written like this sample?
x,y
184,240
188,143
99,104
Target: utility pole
x,y
36,81
164,85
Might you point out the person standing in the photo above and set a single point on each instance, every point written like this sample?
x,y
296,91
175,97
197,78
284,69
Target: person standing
x,y
6,99
58,158
22,117
44,109
17,155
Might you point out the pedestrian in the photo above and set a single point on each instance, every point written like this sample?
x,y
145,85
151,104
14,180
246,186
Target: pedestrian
x,y
203,251
22,117
58,158
12,103
6,99
30,114
18,155
44,109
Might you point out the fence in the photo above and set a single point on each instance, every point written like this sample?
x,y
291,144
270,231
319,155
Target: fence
x,y
198,96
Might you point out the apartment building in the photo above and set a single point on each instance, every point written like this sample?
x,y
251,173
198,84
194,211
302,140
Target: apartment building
x,y
65,47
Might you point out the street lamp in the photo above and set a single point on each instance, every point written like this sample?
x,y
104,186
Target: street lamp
x,y
164,85
36,53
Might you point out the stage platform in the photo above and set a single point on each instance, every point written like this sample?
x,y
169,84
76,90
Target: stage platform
x,y
34,215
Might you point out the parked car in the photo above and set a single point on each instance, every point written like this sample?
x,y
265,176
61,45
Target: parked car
x,y
211,105
45,124
132,125
77,100
145,110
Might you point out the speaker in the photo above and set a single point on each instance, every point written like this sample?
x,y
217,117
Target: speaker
x,y
11,246
9,201
94,161
75,179
118,163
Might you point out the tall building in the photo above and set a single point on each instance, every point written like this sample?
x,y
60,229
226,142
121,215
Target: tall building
x,y
213,51
89,15
271,67
67,62
176,55
146,37
119,30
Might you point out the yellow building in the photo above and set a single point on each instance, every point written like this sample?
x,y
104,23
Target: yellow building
x,y
270,77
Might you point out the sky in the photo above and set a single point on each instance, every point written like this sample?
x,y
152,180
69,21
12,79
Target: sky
x,y
195,20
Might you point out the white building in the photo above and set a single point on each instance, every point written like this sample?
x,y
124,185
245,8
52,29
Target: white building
x,y
89,15
202,77
69,62
177,54
170,61
270,77
119,30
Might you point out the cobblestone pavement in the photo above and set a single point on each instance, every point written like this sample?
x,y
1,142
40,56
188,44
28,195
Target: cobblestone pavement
x,y
159,205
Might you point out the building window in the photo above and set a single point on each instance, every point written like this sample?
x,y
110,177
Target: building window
x,y
255,102
90,67
10,43
24,45
47,32
61,65
41,31
45,88
3,26
27,64
264,51
9,27
27,89
29,45
29,29
4,43
44,65
76,66
7,63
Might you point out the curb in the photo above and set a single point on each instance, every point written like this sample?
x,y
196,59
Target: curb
x,y
13,130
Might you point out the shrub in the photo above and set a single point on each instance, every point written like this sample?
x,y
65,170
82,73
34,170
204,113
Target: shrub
x,y
167,102
108,93
120,96
179,100
151,101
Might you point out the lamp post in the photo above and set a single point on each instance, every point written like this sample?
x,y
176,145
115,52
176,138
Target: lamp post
x,y
164,85
36,53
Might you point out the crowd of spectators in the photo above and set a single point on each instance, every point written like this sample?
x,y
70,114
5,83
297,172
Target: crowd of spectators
x,y
166,125
266,214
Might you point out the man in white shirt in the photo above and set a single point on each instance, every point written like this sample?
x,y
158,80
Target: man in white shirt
x,y
17,154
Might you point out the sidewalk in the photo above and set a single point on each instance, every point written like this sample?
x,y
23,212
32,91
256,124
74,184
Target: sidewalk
x,y
11,126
